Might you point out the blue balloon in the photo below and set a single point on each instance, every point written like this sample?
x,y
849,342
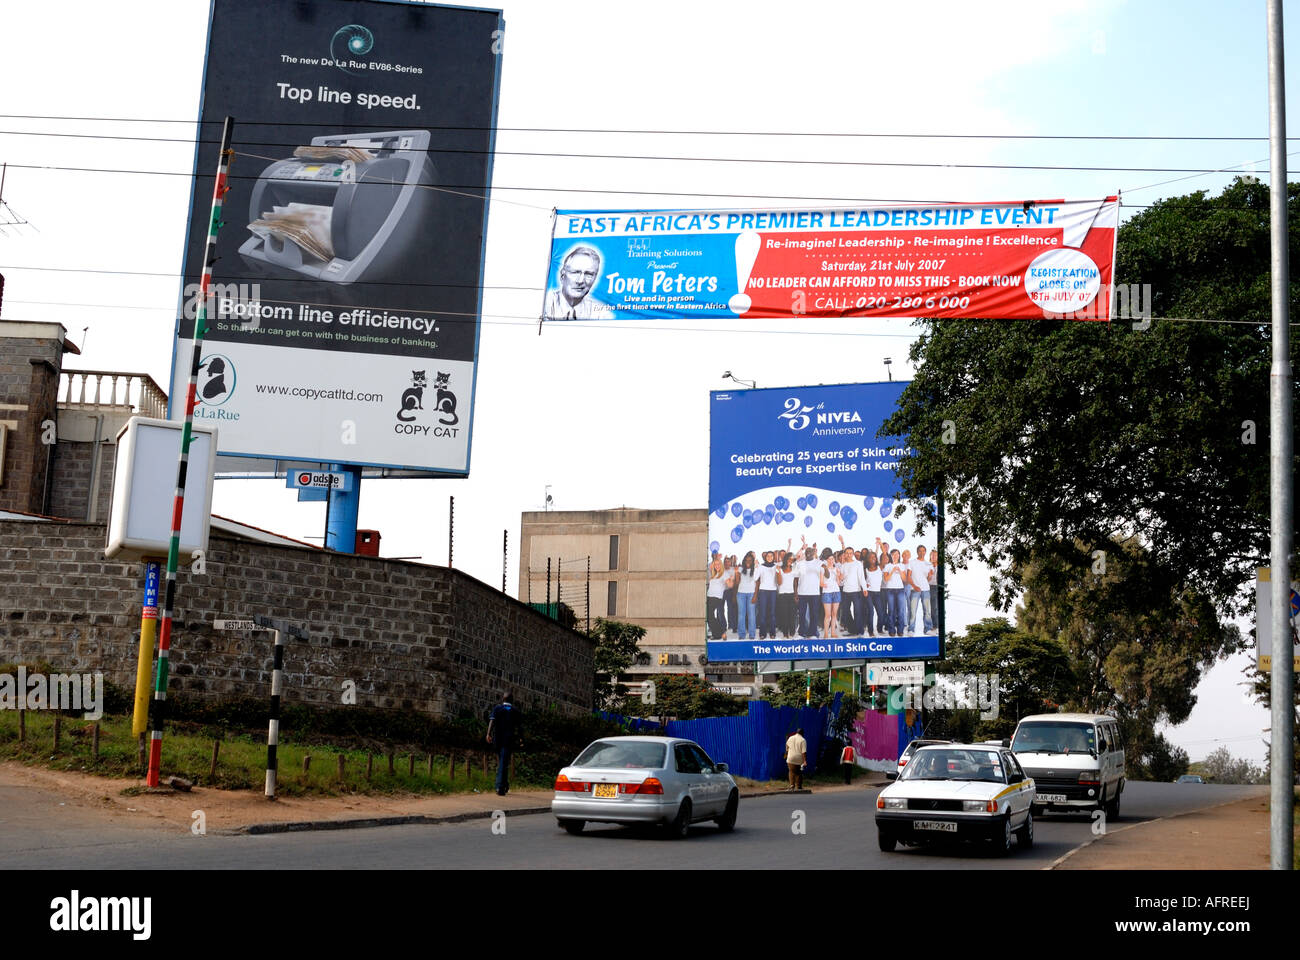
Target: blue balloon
x,y
782,503
714,546
803,503
869,502
834,508
780,518
889,525
721,512
789,518
812,499
898,534
848,513
884,509
887,502
767,518
848,524
830,527
735,509
736,534
749,520
747,514
807,521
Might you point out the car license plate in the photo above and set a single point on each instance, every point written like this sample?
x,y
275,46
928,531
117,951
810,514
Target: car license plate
x,y
940,825
1052,797
605,791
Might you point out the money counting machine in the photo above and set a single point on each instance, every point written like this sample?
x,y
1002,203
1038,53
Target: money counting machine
x,y
345,208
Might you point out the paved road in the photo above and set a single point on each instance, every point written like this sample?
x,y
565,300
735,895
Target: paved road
x,y
838,833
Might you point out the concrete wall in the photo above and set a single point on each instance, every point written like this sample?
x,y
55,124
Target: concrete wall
x,y
31,356
409,636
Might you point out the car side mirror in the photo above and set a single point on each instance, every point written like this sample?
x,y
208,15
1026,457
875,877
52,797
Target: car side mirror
x,y
1006,742
722,768
891,775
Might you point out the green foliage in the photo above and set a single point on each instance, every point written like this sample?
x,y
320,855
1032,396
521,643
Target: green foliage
x,y
1074,432
792,688
1222,767
1161,761
1139,642
617,647
684,696
1034,674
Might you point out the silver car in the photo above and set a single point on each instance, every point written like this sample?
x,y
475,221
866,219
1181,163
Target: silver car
x,y
645,780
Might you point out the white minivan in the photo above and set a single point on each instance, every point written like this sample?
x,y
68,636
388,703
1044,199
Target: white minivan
x,y
1076,761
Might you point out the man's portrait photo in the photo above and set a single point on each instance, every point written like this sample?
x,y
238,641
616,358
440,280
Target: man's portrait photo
x,y
578,274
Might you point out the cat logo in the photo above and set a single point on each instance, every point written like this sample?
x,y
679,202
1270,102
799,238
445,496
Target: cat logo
x,y
413,400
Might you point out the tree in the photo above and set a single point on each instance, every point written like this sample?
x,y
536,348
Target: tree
x,y
792,689
1162,762
685,696
1034,672
1138,641
1222,767
1070,432
617,646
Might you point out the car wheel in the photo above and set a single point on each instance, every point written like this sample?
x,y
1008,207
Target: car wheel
x,y
1112,808
573,826
1002,842
1025,835
727,822
887,841
681,824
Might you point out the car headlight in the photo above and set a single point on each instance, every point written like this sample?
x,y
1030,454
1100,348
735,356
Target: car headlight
x,y
1091,778
891,803
980,806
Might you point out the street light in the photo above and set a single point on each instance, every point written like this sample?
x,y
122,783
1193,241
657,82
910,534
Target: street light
x,y
888,371
728,375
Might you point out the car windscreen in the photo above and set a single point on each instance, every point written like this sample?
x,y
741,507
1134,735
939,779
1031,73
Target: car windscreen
x,y
627,754
1057,736
935,763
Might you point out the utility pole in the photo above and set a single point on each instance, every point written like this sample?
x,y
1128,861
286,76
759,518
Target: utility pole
x,y
1281,460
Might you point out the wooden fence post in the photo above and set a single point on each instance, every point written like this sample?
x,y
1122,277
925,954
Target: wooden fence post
x,y
22,725
410,770
58,726
342,760
216,752
94,741
306,763
370,764
389,757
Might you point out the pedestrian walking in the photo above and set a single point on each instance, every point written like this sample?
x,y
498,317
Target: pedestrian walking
x,y
502,732
846,762
796,758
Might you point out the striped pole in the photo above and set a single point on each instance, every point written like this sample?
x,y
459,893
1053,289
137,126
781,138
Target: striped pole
x,y
219,192
273,727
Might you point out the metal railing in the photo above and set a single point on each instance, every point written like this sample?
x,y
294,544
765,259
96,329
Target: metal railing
x,y
101,389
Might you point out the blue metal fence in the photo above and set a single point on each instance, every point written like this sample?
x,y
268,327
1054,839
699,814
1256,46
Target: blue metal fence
x,y
754,746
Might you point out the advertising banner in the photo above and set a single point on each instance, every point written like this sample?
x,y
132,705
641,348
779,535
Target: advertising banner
x,y
1020,260
810,554
1264,620
343,322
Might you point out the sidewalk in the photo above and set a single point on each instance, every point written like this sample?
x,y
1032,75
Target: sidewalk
x,y
1231,836
88,799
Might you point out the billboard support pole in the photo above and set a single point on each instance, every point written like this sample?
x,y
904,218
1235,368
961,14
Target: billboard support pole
x,y
219,191
341,511
1281,459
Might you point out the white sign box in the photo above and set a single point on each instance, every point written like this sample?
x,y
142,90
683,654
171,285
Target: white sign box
x,y
898,673
144,489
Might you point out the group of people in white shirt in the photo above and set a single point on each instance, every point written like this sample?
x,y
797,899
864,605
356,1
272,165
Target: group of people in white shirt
x,y
849,593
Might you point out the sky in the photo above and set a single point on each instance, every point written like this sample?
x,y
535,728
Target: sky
x,y
609,414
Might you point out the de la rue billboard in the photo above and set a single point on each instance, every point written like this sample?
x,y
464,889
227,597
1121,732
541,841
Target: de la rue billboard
x,y
1023,259
347,289
803,471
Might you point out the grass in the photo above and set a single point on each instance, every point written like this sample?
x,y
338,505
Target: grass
x,y
242,760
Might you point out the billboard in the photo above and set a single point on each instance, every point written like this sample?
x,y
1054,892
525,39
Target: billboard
x,y
811,556
343,322
1264,620
1019,260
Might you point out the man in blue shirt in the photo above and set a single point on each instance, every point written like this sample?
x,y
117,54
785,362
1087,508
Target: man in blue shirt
x,y
503,728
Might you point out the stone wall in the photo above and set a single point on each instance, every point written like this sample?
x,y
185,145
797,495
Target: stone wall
x,y
30,360
409,636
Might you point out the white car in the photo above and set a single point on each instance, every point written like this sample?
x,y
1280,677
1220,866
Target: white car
x,y
958,792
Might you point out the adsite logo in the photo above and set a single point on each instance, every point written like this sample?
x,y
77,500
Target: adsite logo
x,y
350,46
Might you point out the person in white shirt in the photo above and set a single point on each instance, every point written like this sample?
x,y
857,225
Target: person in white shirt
x,y
717,588
918,591
851,591
895,600
809,587
769,581
875,604
746,601
830,577
785,605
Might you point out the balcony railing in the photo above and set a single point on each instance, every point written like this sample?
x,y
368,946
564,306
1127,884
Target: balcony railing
x,y
112,389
